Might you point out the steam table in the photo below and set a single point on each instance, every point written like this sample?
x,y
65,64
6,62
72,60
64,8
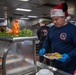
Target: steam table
x,y
13,58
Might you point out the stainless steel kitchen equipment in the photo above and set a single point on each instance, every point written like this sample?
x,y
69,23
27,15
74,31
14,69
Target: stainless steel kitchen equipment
x,y
18,55
52,69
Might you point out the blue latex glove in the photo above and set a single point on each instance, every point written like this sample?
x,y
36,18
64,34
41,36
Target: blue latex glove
x,y
42,51
64,58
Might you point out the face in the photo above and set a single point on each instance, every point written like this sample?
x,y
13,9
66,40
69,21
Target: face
x,y
42,24
58,21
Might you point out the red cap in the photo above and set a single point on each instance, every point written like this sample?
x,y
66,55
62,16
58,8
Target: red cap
x,y
60,10
64,7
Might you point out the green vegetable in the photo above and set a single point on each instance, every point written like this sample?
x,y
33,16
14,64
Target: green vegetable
x,y
23,33
26,32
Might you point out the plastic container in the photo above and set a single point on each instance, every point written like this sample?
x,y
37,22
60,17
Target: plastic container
x,y
44,72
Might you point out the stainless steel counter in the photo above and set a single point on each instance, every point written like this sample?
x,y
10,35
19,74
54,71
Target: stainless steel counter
x,y
17,39
12,51
54,70
43,66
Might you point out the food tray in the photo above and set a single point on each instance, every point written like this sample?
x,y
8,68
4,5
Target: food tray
x,y
52,56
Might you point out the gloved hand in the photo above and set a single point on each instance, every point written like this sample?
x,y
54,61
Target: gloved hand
x,y
42,51
64,58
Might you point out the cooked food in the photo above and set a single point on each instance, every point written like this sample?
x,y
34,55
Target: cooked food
x,y
54,55
57,54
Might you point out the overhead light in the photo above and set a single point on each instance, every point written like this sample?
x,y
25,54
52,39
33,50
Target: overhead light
x,y
24,0
33,16
25,18
20,9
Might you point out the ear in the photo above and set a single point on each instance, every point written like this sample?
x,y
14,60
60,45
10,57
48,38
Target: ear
x,y
65,7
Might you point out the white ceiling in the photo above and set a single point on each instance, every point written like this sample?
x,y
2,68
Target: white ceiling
x,y
39,8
